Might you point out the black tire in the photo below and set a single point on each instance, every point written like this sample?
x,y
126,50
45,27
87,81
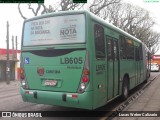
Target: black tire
x,y
147,77
146,80
125,89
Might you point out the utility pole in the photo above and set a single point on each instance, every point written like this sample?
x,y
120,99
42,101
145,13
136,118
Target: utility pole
x,y
7,62
16,48
13,56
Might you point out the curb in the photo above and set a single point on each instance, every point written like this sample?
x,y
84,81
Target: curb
x,y
13,83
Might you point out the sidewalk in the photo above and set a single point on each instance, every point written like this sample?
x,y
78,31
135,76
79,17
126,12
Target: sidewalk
x,y
148,101
13,83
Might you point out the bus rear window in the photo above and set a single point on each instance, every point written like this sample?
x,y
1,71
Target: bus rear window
x,y
55,30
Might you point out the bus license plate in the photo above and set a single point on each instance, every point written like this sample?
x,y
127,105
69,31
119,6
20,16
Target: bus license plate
x,y
50,83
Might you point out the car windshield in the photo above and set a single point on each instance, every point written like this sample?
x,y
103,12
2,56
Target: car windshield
x,y
154,64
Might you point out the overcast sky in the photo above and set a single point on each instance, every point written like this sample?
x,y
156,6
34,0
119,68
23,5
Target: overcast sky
x,y
9,12
153,9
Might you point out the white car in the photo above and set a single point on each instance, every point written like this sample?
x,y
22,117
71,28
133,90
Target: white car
x,y
154,67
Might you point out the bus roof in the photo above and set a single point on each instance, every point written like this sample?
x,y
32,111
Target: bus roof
x,y
94,17
59,13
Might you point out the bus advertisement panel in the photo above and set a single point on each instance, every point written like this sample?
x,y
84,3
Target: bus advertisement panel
x,y
55,30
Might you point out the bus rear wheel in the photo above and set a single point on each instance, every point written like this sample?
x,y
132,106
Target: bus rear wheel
x,y
125,89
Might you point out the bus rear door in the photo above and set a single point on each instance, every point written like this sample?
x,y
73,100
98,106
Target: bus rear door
x,y
112,67
137,65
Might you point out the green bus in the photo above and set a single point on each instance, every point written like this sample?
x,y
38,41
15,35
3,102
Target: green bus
x,y
75,59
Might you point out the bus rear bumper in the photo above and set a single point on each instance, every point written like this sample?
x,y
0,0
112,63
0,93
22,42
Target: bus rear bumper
x,y
75,100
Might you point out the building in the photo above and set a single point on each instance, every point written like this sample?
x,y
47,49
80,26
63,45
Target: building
x,y
14,59
156,59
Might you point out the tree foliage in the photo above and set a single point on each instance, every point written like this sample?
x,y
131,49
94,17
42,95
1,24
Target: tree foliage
x,y
99,5
41,8
132,19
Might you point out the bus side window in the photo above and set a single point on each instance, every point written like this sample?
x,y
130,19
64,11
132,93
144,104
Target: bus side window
x,y
109,49
137,54
115,48
141,52
112,48
129,49
122,47
99,41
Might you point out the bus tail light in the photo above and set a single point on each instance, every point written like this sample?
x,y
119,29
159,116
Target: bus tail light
x,y
85,76
85,79
82,87
24,84
23,79
74,96
22,74
86,72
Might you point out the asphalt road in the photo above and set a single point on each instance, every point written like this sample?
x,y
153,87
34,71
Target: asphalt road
x,y
10,100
